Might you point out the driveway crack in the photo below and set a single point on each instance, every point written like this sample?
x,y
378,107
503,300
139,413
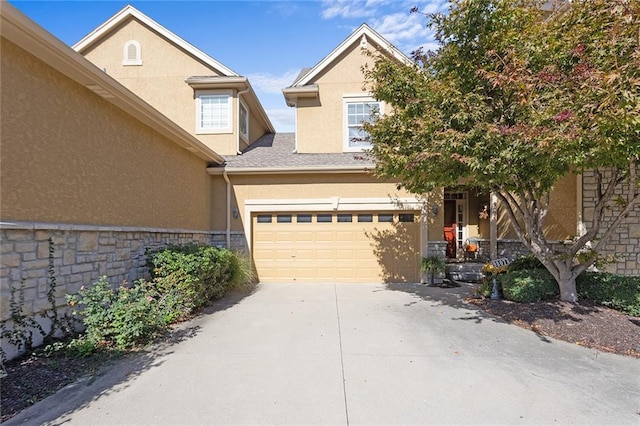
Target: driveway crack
x,y
344,384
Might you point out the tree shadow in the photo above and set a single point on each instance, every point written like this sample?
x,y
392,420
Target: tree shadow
x,y
116,376
460,298
397,251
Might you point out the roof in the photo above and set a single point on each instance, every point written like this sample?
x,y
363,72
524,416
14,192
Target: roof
x,y
131,12
275,153
31,37
364,30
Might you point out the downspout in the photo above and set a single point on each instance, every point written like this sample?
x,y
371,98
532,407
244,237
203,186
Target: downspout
x,y
295,128
228,231
240,92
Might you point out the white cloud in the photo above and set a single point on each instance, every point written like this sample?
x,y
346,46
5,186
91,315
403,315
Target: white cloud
x,y
349,8
271,83
391,19
284,120
409,31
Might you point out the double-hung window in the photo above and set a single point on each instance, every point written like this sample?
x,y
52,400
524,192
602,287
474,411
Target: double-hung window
x,y
357,111
213,111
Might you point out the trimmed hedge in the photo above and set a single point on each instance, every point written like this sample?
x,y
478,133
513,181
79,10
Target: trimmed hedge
x,y
529,285
614,291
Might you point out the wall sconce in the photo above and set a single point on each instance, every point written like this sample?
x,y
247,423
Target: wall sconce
x,y
235,213
434,210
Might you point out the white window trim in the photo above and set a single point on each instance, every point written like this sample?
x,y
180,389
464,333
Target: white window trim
x,y
245,136
138,59
208,131
355,98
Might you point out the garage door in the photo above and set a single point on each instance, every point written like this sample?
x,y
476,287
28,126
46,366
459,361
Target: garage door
x,y
336,247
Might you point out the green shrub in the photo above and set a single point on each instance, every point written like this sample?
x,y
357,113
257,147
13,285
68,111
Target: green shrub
x,y
529,285
189,276
122,317
614,291
527,262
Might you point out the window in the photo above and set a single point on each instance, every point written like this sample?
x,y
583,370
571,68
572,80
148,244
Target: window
x,y
304,218
213,111
365,218
405,217
284,218
264,218
324,218
359,110
243,121
345,218
383,217
132,55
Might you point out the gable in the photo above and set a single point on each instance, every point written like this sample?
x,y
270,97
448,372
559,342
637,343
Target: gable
x,y
363,36
129,13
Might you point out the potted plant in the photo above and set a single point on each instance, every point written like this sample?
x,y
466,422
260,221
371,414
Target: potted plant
x,y
432,265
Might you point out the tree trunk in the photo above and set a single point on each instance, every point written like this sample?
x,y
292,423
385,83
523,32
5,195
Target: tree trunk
x,y
567,283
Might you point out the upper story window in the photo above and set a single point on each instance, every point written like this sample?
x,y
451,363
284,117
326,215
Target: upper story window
x,y
359,110
132,53
243,121
213,111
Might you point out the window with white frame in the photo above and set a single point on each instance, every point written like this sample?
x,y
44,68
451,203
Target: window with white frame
x,y
213,111
357,111
243,121
132,53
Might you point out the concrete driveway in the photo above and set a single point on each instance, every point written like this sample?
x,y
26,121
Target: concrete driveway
x,y
353,354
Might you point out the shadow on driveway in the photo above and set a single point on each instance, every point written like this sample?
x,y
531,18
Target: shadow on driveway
x,y
117,376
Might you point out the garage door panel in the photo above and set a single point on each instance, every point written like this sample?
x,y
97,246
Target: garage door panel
x,y
347,252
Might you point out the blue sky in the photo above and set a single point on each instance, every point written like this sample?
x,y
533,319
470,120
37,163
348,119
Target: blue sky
x,y
266,41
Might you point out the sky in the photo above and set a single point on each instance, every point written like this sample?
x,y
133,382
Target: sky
x,y
267,41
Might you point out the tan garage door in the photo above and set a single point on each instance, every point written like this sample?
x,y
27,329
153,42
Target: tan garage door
x,y
336,247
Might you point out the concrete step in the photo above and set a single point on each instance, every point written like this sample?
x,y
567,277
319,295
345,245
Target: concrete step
x,y
467,272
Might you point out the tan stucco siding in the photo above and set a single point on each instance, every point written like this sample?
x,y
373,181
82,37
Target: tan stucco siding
x,y
562,218
292,187
69,156
160,80
320,124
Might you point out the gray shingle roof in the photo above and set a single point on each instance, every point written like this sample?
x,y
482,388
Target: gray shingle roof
x,y
276,151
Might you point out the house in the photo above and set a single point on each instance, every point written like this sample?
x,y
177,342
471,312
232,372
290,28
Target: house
x,y
89,171
141,140
304,205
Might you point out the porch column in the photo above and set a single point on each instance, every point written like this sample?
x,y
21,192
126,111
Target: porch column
x,y
493,226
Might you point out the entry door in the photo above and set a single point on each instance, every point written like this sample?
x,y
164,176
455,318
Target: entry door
x,y
455,221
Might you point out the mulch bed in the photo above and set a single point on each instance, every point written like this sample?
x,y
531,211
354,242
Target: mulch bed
x,y
582,323
32,378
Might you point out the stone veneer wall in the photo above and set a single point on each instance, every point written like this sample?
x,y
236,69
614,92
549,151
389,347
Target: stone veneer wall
x,y
625,241
81,255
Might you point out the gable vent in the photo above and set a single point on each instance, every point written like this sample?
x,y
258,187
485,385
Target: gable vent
x,y
363,42
132,53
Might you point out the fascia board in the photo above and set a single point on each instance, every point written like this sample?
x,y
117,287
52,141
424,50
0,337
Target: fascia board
x,y
128,11
289,170
28,35
364,29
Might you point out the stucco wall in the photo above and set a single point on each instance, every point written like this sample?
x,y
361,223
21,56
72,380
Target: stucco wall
x,y
304,186
160,80
69,156
320,124
561,221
